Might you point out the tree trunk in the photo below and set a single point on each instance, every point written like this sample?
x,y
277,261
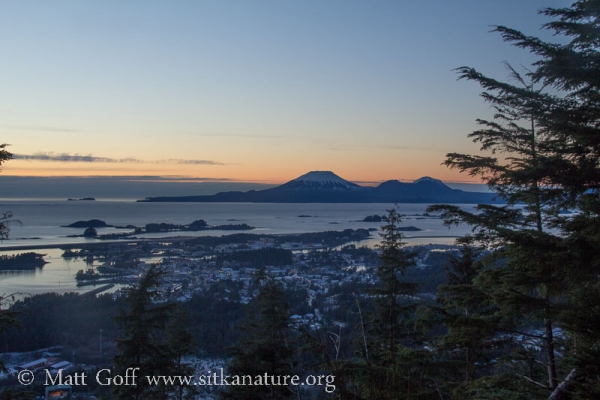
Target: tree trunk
x,y
552,380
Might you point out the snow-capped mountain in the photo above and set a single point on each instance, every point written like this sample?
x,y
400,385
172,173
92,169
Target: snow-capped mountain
x,y
321,180
327,187
428,179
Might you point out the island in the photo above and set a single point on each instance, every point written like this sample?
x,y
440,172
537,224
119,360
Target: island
x,y
161,227
327,187
408,229
374,218
22,262
195,226
92,223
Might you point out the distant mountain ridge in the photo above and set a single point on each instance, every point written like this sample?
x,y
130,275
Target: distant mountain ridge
x,y
327,187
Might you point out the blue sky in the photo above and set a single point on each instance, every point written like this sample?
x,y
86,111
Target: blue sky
x,y
258,91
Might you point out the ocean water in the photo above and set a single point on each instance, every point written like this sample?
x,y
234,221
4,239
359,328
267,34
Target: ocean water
x,y
56,276
41,223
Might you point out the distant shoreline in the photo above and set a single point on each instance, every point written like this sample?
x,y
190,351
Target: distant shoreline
x,y
172,240
92,244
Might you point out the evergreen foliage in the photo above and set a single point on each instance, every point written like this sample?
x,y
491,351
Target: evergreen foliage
x,y
467,350
22,261
5,217
90,232
394,301
544,158
7,317
394,362
8,320
267,347
181,343
145,345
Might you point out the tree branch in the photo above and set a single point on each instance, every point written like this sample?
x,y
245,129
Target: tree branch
x,y
562,391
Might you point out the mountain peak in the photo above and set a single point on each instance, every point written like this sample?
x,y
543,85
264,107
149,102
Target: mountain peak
x,y
327,187
430,180
320,176
321,180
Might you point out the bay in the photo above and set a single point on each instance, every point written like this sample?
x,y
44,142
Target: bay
x,y
42,221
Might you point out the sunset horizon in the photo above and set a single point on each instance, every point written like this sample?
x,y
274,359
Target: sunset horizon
x,y
363,179
251,92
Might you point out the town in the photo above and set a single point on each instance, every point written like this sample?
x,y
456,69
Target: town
x,y
317,270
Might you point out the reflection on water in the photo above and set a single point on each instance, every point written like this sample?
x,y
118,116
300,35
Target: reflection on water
x,y
5,274
56,276
47,221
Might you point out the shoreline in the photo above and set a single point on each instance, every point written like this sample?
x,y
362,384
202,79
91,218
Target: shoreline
x,y
101,243
150,240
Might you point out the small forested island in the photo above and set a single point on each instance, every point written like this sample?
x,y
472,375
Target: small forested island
x,y
69,253
195,226
383,218
21,262
408,229
90,274
90,232
198,225
375,218
232,227
92,223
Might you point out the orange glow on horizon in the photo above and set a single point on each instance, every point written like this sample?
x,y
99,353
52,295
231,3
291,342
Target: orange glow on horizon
x,y
366,176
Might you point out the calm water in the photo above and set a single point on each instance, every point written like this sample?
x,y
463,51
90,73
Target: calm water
x,y
42,220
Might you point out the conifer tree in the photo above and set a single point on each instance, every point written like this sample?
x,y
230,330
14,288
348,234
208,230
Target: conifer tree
x,y
550,151
396,366
324,346
529,286
143,345
532,278
5,217
573,70
267,347
468,349
7,317
180,343
393,300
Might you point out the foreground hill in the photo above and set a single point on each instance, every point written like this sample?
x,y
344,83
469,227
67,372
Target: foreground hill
x,y
327,187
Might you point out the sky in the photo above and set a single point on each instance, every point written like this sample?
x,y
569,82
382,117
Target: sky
x,y
249,91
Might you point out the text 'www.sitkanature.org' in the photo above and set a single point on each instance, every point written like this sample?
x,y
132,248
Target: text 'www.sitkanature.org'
x,y
131,377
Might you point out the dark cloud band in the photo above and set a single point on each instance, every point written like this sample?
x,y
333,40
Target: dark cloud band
x,y
65,157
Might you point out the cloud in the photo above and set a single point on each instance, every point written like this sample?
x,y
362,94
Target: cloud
x,y
225,134
118,187
170,178
195,162
352,147
66,157
419,148
40,128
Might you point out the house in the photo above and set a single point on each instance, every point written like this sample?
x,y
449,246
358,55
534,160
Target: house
x,y
33,365
58,392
